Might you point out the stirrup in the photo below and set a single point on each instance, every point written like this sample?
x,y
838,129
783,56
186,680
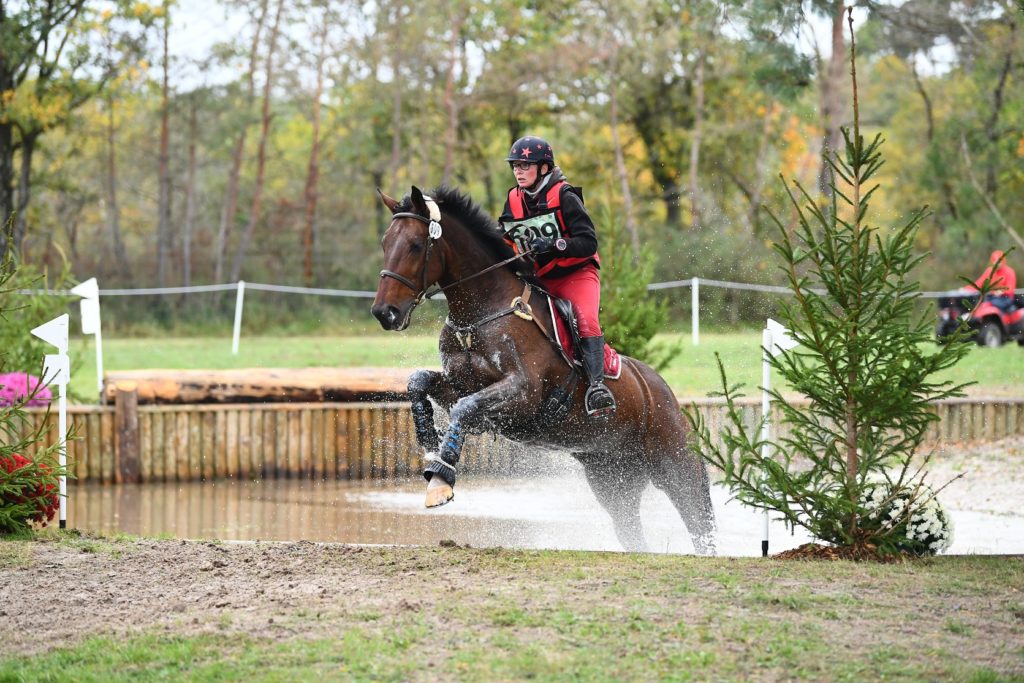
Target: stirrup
x,y
599,401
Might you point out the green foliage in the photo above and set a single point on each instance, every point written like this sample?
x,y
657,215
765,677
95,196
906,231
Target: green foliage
x,y
21,311
630,316
864,362
27,481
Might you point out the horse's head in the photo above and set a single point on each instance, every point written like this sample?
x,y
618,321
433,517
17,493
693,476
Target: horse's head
x,y
412,260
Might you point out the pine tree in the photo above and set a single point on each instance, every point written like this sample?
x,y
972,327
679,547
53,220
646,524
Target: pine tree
x,y
864,361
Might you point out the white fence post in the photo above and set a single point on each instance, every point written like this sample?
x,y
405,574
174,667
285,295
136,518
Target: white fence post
x,y
695,305
90,309
239,301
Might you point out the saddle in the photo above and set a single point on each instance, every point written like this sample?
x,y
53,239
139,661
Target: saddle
x,y
567,335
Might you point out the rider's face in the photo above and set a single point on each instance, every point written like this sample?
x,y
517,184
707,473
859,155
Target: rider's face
x,y
525,177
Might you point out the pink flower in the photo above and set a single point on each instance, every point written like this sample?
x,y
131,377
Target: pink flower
x,y
14,386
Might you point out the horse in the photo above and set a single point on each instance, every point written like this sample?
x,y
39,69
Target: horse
x,y
501,371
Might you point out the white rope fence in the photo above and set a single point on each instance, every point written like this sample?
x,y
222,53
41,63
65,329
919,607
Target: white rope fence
x,y
241,286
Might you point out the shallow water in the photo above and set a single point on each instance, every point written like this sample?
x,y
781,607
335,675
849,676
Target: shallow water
x,y
556,511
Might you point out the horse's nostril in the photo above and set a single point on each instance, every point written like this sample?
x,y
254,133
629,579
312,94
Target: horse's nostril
x,y
386,314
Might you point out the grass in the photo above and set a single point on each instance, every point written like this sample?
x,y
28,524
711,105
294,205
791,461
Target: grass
x,y
998,372
528,615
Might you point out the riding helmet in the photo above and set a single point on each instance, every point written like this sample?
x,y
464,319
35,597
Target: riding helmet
x,y
532,149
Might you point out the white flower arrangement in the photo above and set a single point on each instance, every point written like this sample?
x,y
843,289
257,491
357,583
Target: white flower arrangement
x,y
928,530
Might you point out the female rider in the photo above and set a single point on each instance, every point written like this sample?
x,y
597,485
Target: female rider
x,y
545,214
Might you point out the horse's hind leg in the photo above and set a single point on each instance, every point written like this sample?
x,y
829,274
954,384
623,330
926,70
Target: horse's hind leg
x,y
682,475
617,484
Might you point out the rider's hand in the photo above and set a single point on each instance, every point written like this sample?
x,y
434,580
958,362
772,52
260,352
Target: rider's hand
x,y
540,245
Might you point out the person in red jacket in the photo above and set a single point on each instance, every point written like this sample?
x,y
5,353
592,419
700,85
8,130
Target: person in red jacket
x,y
545,214
1002,279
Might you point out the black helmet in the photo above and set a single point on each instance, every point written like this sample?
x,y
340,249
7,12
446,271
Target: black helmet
x,y
533,149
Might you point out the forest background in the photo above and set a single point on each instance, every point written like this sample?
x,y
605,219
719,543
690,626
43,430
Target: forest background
x,y
133,156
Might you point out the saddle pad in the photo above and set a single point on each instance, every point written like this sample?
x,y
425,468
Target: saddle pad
x,y
612,359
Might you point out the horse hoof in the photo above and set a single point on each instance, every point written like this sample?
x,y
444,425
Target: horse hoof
x,y
439,495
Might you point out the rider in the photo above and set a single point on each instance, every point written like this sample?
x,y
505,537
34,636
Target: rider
x,y
545,214
1002,280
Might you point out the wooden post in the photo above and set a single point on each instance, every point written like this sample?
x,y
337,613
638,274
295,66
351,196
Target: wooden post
x,y
126,412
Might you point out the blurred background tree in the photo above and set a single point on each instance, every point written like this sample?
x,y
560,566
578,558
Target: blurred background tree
x,y
680,115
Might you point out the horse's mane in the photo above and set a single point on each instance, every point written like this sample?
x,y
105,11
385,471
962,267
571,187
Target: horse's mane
x,y
476,221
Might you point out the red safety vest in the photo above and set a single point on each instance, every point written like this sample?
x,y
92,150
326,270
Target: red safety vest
x,y
553,204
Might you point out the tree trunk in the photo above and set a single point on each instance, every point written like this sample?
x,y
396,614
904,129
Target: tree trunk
x,y
450,105
113,211
163,232
313,173
992,131
832,98
230,205
261,158
760,167
620,161
396,97
695,140
190,196
28,146
947,187
6,182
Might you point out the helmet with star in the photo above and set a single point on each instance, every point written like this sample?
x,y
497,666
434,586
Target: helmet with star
x,y
531,149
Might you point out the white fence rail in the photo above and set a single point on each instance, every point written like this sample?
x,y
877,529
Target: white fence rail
x,y
240,287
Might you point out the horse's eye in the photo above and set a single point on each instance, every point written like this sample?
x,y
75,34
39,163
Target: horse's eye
x,y
415,248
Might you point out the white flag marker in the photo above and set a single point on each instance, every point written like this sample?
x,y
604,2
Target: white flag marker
x,y
90,308
56,370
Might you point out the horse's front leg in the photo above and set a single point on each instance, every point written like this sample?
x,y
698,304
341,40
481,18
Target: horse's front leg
x,y
424,384
467,411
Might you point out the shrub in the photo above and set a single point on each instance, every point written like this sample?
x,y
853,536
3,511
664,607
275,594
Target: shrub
x,y
915,518
28,483
630,316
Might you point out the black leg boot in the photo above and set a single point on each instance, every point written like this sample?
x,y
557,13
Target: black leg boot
x,y
599,401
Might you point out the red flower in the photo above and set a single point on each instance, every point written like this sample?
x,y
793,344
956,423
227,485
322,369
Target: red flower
x,y
43,496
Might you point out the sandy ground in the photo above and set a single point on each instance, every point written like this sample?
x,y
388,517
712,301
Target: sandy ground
x,y
186,586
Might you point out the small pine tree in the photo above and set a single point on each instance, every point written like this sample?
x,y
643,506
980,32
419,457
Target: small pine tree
x,y
28,483
844,472
630,317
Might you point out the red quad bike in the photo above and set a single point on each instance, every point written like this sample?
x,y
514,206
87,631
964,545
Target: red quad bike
x,y
988,325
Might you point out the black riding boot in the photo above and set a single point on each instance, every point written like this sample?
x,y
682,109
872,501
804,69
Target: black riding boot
x,y
599,401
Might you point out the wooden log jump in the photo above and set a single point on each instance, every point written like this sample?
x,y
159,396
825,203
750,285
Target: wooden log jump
x,y
261,385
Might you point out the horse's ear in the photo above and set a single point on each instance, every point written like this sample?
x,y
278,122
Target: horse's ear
x,y
418,202
388,201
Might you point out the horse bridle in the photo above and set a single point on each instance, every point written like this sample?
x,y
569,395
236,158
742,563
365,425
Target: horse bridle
x,y
434,231
433,235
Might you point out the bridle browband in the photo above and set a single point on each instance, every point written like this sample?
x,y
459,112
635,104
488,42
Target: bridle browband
x,y
434,232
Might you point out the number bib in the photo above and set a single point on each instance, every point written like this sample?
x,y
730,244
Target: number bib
x,y
522,230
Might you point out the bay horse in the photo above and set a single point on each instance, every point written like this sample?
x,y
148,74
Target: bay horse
x,y
501,371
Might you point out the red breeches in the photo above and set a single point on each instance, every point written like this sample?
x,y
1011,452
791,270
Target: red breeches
x,y
583,288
